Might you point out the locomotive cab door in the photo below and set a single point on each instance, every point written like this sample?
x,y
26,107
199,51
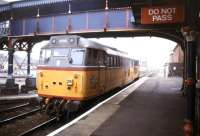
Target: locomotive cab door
x,y
102,71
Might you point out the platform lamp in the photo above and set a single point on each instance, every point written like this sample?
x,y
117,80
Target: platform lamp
x,y
38,13
106,7
69,8
37,21
11,17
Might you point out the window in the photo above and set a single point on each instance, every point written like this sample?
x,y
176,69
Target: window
x,y
132,62
92,58
111,62
101,58
62,57
89,60
118,61
107,61
45,55
136,63
77,56
114,61
48,53
60,52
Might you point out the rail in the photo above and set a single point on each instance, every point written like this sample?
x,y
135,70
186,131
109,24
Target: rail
x,y
19,116
38,127
15,107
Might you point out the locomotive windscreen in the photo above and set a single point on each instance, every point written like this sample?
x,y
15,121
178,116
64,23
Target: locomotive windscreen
x,y
62,57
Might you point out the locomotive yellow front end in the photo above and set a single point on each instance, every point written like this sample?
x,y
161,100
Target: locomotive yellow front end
x,y
60,82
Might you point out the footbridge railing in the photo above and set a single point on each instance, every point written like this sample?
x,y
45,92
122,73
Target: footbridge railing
x,y
84,22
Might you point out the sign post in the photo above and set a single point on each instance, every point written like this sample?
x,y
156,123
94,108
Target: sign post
x,y
162,15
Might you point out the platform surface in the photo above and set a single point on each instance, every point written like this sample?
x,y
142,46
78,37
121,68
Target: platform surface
x,y
18,97
156,108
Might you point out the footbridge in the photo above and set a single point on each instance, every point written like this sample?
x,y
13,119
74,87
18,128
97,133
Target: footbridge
x,y
91,18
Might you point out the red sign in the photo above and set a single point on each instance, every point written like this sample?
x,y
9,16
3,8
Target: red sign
x,y
162,15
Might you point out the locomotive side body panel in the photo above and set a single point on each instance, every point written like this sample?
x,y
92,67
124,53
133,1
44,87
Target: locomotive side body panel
x,y
91,81
113,78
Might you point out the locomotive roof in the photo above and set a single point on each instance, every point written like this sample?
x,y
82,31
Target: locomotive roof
x,y
78,41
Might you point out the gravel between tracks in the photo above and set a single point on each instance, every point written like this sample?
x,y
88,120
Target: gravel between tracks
x,y
19,126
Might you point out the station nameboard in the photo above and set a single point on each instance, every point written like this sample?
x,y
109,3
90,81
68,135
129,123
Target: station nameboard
x,y
162,15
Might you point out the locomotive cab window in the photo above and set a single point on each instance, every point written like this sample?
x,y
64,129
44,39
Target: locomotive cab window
x,y
45,55
59,52
77,56
62,57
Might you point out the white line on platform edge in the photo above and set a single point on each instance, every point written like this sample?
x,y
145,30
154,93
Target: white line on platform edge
x,y
134,85
18,97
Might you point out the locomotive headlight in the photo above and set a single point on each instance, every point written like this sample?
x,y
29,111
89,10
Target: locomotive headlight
x,y
53,41
69,82
71,40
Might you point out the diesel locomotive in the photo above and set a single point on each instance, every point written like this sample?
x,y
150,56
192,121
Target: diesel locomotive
x,y
73,70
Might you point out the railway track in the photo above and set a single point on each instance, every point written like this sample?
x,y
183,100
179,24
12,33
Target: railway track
x,y
38,127
11,103
7,120
14,107
46,127
25,123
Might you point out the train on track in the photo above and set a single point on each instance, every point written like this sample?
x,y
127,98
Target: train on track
x,y
73,70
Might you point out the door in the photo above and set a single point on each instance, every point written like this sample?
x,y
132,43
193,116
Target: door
x,y
102,71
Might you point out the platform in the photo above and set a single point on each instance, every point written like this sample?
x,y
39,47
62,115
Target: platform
x,y
18,97
156,108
